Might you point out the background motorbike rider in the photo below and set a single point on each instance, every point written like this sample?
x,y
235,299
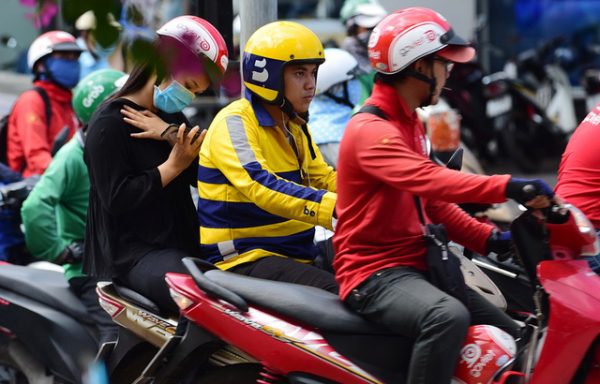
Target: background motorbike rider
x,y
53,59
337,94
385,177
359,18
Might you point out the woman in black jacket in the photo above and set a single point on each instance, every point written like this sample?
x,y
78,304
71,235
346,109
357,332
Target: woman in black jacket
x,y
142,159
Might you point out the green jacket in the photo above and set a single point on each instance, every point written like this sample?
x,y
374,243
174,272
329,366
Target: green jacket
x,y
55,211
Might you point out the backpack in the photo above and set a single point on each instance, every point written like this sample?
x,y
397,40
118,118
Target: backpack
x,y
4,124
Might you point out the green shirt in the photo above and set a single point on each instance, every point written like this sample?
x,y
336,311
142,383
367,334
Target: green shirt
x,y
55,211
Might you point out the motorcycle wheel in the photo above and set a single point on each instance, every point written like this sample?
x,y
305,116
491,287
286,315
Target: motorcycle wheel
x,y
519,138
231,374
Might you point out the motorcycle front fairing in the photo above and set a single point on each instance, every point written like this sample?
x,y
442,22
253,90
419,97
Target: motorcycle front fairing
x,y
574,318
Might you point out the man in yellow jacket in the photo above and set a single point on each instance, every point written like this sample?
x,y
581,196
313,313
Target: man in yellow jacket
x,y
262,182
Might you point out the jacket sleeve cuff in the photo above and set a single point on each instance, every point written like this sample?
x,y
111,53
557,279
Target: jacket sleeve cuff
x,y
326,210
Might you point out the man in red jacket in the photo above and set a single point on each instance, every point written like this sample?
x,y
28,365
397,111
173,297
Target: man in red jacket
x,y
380,259
579,173
53,58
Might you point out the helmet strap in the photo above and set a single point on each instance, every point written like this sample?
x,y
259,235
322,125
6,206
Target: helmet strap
x,y
429,80
287,108
300,119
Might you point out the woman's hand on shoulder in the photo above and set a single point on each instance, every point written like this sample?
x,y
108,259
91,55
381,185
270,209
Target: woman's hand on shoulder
x,y
152,126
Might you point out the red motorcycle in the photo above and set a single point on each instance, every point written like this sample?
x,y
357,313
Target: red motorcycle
x,y
246,330
297,334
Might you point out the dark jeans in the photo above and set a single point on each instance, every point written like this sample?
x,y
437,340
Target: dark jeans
x,y
404,301
147,276
288,270
84,288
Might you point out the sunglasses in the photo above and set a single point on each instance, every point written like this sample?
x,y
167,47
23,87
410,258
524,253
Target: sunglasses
x,y
448,65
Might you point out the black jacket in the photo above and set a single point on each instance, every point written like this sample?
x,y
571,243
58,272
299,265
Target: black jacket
x,y
130,213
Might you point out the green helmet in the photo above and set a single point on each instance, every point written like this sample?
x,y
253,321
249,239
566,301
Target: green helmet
x,y
366,13
93,89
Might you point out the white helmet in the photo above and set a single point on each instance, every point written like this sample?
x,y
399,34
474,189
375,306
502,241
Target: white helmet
x,y
339,66
49,42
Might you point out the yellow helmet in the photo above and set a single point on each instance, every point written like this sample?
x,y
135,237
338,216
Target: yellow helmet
x,y
270,49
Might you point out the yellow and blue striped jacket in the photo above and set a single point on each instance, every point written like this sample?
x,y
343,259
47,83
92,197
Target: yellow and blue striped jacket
x,y
254,200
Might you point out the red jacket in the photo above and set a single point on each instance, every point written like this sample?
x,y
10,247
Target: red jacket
x,y
382,165
579,171
29,139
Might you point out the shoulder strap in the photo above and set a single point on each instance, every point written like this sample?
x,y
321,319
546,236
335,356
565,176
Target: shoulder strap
x,y
419,210
47,105
373,110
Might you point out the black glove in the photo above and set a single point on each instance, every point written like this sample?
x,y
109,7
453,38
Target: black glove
x,y
73,253
500,243
523,190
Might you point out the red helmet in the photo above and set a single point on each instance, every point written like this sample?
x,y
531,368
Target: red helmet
x,y
407,35
200,37
49,42
486,351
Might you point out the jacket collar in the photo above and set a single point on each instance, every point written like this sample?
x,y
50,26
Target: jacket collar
x,y
395,107
263,117
54,91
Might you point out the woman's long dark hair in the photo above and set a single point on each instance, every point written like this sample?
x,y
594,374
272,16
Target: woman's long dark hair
x,y
148,64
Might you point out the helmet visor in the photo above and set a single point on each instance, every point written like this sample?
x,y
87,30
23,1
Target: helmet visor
x,y
457,50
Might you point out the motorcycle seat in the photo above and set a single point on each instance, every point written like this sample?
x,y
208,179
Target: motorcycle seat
x,y
48,287
136,298
312,306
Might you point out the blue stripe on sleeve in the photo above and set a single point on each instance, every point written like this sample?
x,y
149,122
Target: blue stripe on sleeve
x,y
220,214
211,176
263,177
291,176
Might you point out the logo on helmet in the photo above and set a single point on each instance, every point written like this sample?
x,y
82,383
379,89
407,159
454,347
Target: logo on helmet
x,y
430,35
204,45
427,37
93,95
374,38
263,75
193,37
470,353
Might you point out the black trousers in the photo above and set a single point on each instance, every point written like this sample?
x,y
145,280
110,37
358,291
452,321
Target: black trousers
x,y
84,288
402,300
147,276
288,270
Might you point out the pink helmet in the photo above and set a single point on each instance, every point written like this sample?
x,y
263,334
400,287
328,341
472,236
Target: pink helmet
x,y
487,350
201,37
49,42
407,35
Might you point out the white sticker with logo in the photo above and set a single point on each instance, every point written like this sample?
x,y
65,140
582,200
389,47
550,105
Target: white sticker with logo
x,y
263,75
414,43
